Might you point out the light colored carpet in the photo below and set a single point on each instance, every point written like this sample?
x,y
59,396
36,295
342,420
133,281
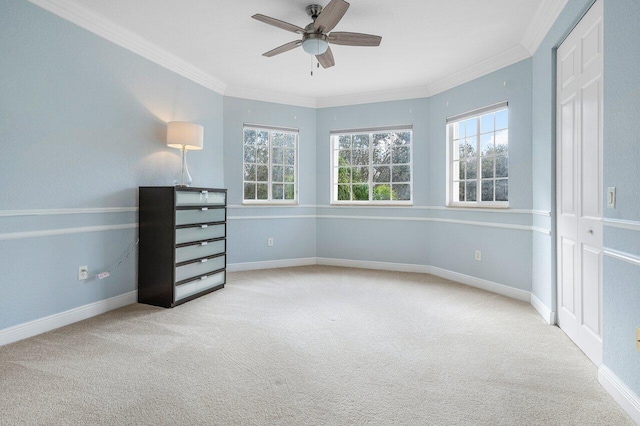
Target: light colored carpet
x,y
311,345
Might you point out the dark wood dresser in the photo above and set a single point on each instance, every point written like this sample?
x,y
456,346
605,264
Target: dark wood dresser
x,y
183,247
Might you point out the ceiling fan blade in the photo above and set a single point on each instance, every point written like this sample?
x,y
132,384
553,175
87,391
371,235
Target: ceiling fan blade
x,y
278,23
326,59
354,39
330,16
283,48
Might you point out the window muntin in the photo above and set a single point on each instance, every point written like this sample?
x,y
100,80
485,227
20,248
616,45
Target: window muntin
x,y
372,167
478,172
270,165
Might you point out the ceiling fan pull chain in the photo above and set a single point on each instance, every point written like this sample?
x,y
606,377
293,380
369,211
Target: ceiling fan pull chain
x,y
312,66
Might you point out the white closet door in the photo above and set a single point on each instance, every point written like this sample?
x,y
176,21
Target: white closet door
x,y
579,183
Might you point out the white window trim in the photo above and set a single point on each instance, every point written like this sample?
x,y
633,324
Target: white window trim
x,y
370,203
296,182
449,140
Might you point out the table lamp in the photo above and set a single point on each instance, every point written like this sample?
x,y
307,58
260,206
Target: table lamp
x,y
186,137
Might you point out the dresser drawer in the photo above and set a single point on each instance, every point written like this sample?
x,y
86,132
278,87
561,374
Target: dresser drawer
x,y
199,233
195,251
200,198
200,268
189,289
203,215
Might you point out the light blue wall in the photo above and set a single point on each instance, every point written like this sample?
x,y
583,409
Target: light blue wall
x,y
511,84
371,240
82,125
621,158
506,252
621,292
293,237
543,156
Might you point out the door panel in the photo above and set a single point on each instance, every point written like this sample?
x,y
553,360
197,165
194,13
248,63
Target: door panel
x,y
591,45
590,147
591,273
568,275
567,157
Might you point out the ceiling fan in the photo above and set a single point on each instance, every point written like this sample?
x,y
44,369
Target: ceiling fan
x,y
316,36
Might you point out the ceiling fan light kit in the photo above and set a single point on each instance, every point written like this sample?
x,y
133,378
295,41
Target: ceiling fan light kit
x,y
316,36
315,44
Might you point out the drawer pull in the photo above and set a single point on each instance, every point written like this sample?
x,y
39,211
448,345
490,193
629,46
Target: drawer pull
x,y
204,209
204,277
203,260
204,243
203,226
205,192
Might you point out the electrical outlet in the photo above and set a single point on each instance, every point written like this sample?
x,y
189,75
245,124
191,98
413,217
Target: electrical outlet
x,y
83,273
638,339
478,255
270,242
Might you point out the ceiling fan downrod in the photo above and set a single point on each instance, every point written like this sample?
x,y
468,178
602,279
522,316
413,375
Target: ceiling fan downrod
x,y
314,10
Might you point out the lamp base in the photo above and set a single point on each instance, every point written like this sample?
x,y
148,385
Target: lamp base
x,y
183,178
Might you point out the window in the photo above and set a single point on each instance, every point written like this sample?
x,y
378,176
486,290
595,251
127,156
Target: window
x,y
478,166
372,166
270,165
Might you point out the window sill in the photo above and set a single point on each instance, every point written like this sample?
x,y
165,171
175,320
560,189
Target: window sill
x,y
269,203
369,204
478,206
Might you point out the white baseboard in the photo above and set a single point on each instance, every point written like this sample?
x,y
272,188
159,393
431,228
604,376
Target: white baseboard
x,y
547,314
368,264
271,264
490,286
42,325
493,287
624,396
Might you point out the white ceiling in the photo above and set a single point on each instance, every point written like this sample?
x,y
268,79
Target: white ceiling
x,y
424,42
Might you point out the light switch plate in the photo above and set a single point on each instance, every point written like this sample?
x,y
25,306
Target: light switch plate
x,y
638,339
611,197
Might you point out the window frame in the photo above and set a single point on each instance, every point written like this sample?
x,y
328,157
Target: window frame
x,y
334,138
271,130
450,122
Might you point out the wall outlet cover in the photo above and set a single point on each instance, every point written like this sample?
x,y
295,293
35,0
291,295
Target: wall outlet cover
x,y
83,273
478,256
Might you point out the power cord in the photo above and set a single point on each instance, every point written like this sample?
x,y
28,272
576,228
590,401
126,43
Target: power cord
x,y
123,258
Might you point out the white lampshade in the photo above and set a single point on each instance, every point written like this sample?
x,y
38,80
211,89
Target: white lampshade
x,y
183,134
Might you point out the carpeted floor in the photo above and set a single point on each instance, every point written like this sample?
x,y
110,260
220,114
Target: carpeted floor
x,y
312,345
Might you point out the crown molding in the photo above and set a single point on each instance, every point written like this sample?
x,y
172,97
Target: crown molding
x,y
509,57
541,23
372,97
85,18
107,29
268,96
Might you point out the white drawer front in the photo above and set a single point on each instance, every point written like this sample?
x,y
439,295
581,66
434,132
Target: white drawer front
x,y
200,198
198,233
200,250
189,289
198,269
187,217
